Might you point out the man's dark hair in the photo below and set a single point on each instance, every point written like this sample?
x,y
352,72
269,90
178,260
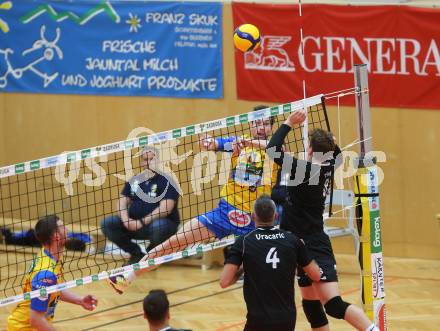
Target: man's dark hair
x,y
322,141
45,228
259,107
264,208
156,305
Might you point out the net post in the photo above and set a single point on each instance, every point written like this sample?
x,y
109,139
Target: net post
x,y
367,208
363,108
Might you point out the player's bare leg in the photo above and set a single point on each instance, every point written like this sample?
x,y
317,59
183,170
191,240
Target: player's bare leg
x,y
191,233
353,315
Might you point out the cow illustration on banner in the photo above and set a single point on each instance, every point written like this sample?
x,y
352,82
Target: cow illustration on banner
x,y
169,49
48,50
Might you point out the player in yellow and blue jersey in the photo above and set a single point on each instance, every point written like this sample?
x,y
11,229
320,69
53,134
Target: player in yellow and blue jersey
x,y
251,175
46,270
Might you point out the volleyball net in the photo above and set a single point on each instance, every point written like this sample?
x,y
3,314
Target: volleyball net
x,y
84,187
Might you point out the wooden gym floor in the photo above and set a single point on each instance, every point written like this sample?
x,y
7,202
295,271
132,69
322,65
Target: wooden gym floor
x,y
198,303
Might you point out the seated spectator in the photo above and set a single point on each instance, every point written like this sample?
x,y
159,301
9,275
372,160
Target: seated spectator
x,y
147,209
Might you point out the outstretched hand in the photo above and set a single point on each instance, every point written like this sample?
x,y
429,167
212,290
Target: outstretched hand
x,y
89,302
207,142
296,117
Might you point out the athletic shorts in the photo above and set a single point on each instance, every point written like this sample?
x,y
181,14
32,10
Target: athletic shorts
x,y
320,249
271,327
226,219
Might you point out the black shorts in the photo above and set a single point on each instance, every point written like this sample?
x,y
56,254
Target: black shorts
x,y
271,327
320,249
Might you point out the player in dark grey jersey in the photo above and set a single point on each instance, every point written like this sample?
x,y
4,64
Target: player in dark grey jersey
x,y
269,257
303,216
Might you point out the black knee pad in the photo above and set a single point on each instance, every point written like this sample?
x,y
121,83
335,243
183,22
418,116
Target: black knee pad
x,y
315,313
336,307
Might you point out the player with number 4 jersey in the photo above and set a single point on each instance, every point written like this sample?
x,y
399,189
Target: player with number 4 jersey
x,y
269,257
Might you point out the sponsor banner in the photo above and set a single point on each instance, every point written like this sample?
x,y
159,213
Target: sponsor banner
x,y
372,188
213,125
167,49
377,274
380,317
403,64
7,171
375,232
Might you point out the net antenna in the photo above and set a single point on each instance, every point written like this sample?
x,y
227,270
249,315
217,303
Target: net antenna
x,y
305,125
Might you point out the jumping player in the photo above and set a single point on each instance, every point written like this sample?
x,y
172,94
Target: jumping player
x,y
302,215
233,213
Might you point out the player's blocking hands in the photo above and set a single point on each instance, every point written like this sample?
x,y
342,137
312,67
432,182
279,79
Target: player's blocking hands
x,y
89,302
296,117
207,142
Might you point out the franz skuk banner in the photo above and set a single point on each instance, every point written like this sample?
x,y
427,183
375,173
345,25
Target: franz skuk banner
x,y
399,44
144,48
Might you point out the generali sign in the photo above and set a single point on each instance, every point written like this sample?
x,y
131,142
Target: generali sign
x,y
399,45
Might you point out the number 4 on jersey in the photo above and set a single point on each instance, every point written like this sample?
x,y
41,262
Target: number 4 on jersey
x,y
272,257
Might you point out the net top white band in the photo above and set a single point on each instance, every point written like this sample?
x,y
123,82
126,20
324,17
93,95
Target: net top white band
x,y
43,292
92,152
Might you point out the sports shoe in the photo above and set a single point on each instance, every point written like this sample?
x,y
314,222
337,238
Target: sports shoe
x,y
119,282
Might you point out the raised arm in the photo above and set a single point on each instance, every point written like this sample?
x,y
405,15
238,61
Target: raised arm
x,y
275,145
338,157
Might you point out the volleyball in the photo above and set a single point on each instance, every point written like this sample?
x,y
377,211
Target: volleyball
x,y
246,37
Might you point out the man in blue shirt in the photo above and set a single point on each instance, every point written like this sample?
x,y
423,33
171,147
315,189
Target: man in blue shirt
x,y
147,209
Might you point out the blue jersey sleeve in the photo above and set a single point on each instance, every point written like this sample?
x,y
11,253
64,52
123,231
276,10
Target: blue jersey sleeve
x,y
224,144
43,278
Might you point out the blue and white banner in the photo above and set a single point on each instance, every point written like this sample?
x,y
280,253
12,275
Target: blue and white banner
x,y
168,49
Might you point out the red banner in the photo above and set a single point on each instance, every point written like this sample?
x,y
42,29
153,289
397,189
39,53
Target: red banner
x,y
399,44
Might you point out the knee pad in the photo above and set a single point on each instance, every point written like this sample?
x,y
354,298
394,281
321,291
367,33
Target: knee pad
x,y
336,307
315,313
